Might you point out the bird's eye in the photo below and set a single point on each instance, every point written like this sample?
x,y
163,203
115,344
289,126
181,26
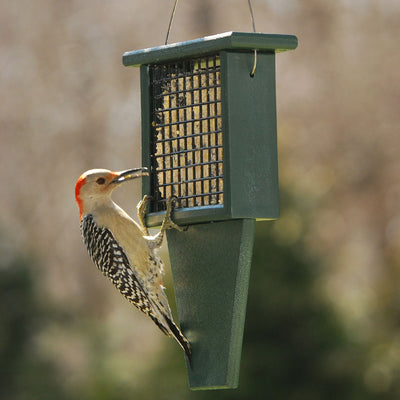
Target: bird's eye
x,y
101,181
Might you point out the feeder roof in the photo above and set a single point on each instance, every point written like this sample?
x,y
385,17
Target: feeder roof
x,y
261,42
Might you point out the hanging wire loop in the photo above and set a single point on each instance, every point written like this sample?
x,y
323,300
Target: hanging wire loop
x,y
170,21
254,30
253,70
254,64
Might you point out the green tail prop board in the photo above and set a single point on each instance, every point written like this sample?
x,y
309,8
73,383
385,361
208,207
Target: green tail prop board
x,y
211,269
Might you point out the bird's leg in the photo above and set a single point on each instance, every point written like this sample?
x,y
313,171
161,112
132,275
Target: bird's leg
x,y
156,240
167,222
141,211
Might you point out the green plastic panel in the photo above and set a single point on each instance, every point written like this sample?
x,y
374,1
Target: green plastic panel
x,y
249,124
211,44
211,268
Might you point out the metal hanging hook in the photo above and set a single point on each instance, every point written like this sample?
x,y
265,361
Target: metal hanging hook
x,y
254,64
254,30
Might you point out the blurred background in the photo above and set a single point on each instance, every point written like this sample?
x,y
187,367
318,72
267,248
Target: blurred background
x,y
323,318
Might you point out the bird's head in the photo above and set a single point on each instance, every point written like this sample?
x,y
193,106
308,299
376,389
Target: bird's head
x,y
97,184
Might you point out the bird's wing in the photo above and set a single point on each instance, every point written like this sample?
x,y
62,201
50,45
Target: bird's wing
x,y
112,261
127,233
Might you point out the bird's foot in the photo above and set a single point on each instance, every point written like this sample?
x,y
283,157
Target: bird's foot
x,y
142,211
167,222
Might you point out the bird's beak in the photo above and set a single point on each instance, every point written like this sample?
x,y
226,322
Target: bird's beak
x,y
129,174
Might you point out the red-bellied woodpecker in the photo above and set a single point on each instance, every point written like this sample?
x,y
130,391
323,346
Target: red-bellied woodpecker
x,y
124,251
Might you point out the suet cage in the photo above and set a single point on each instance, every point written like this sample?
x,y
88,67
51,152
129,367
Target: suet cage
x,y
209,139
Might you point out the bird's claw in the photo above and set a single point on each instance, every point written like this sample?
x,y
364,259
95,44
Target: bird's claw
x,y
142,211
167,222
142,205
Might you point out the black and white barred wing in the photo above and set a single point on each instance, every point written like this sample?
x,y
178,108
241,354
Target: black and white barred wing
x,y
112,261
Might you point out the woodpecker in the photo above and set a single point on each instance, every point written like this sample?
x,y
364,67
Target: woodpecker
x,y
122,249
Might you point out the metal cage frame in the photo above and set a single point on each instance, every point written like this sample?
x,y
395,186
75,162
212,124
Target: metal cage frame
x,y
186,133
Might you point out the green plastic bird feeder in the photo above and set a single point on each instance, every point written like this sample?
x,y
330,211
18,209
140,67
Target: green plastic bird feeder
x,y
209,138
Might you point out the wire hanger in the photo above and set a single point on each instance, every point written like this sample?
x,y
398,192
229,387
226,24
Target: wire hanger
x,y
252,21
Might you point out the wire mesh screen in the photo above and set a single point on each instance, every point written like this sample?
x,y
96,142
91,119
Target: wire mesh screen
x,y
187,153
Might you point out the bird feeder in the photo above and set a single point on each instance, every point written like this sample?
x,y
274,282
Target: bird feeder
x,y
209,139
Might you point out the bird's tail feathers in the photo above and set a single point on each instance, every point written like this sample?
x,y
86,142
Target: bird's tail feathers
x,y
181,339
163,319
